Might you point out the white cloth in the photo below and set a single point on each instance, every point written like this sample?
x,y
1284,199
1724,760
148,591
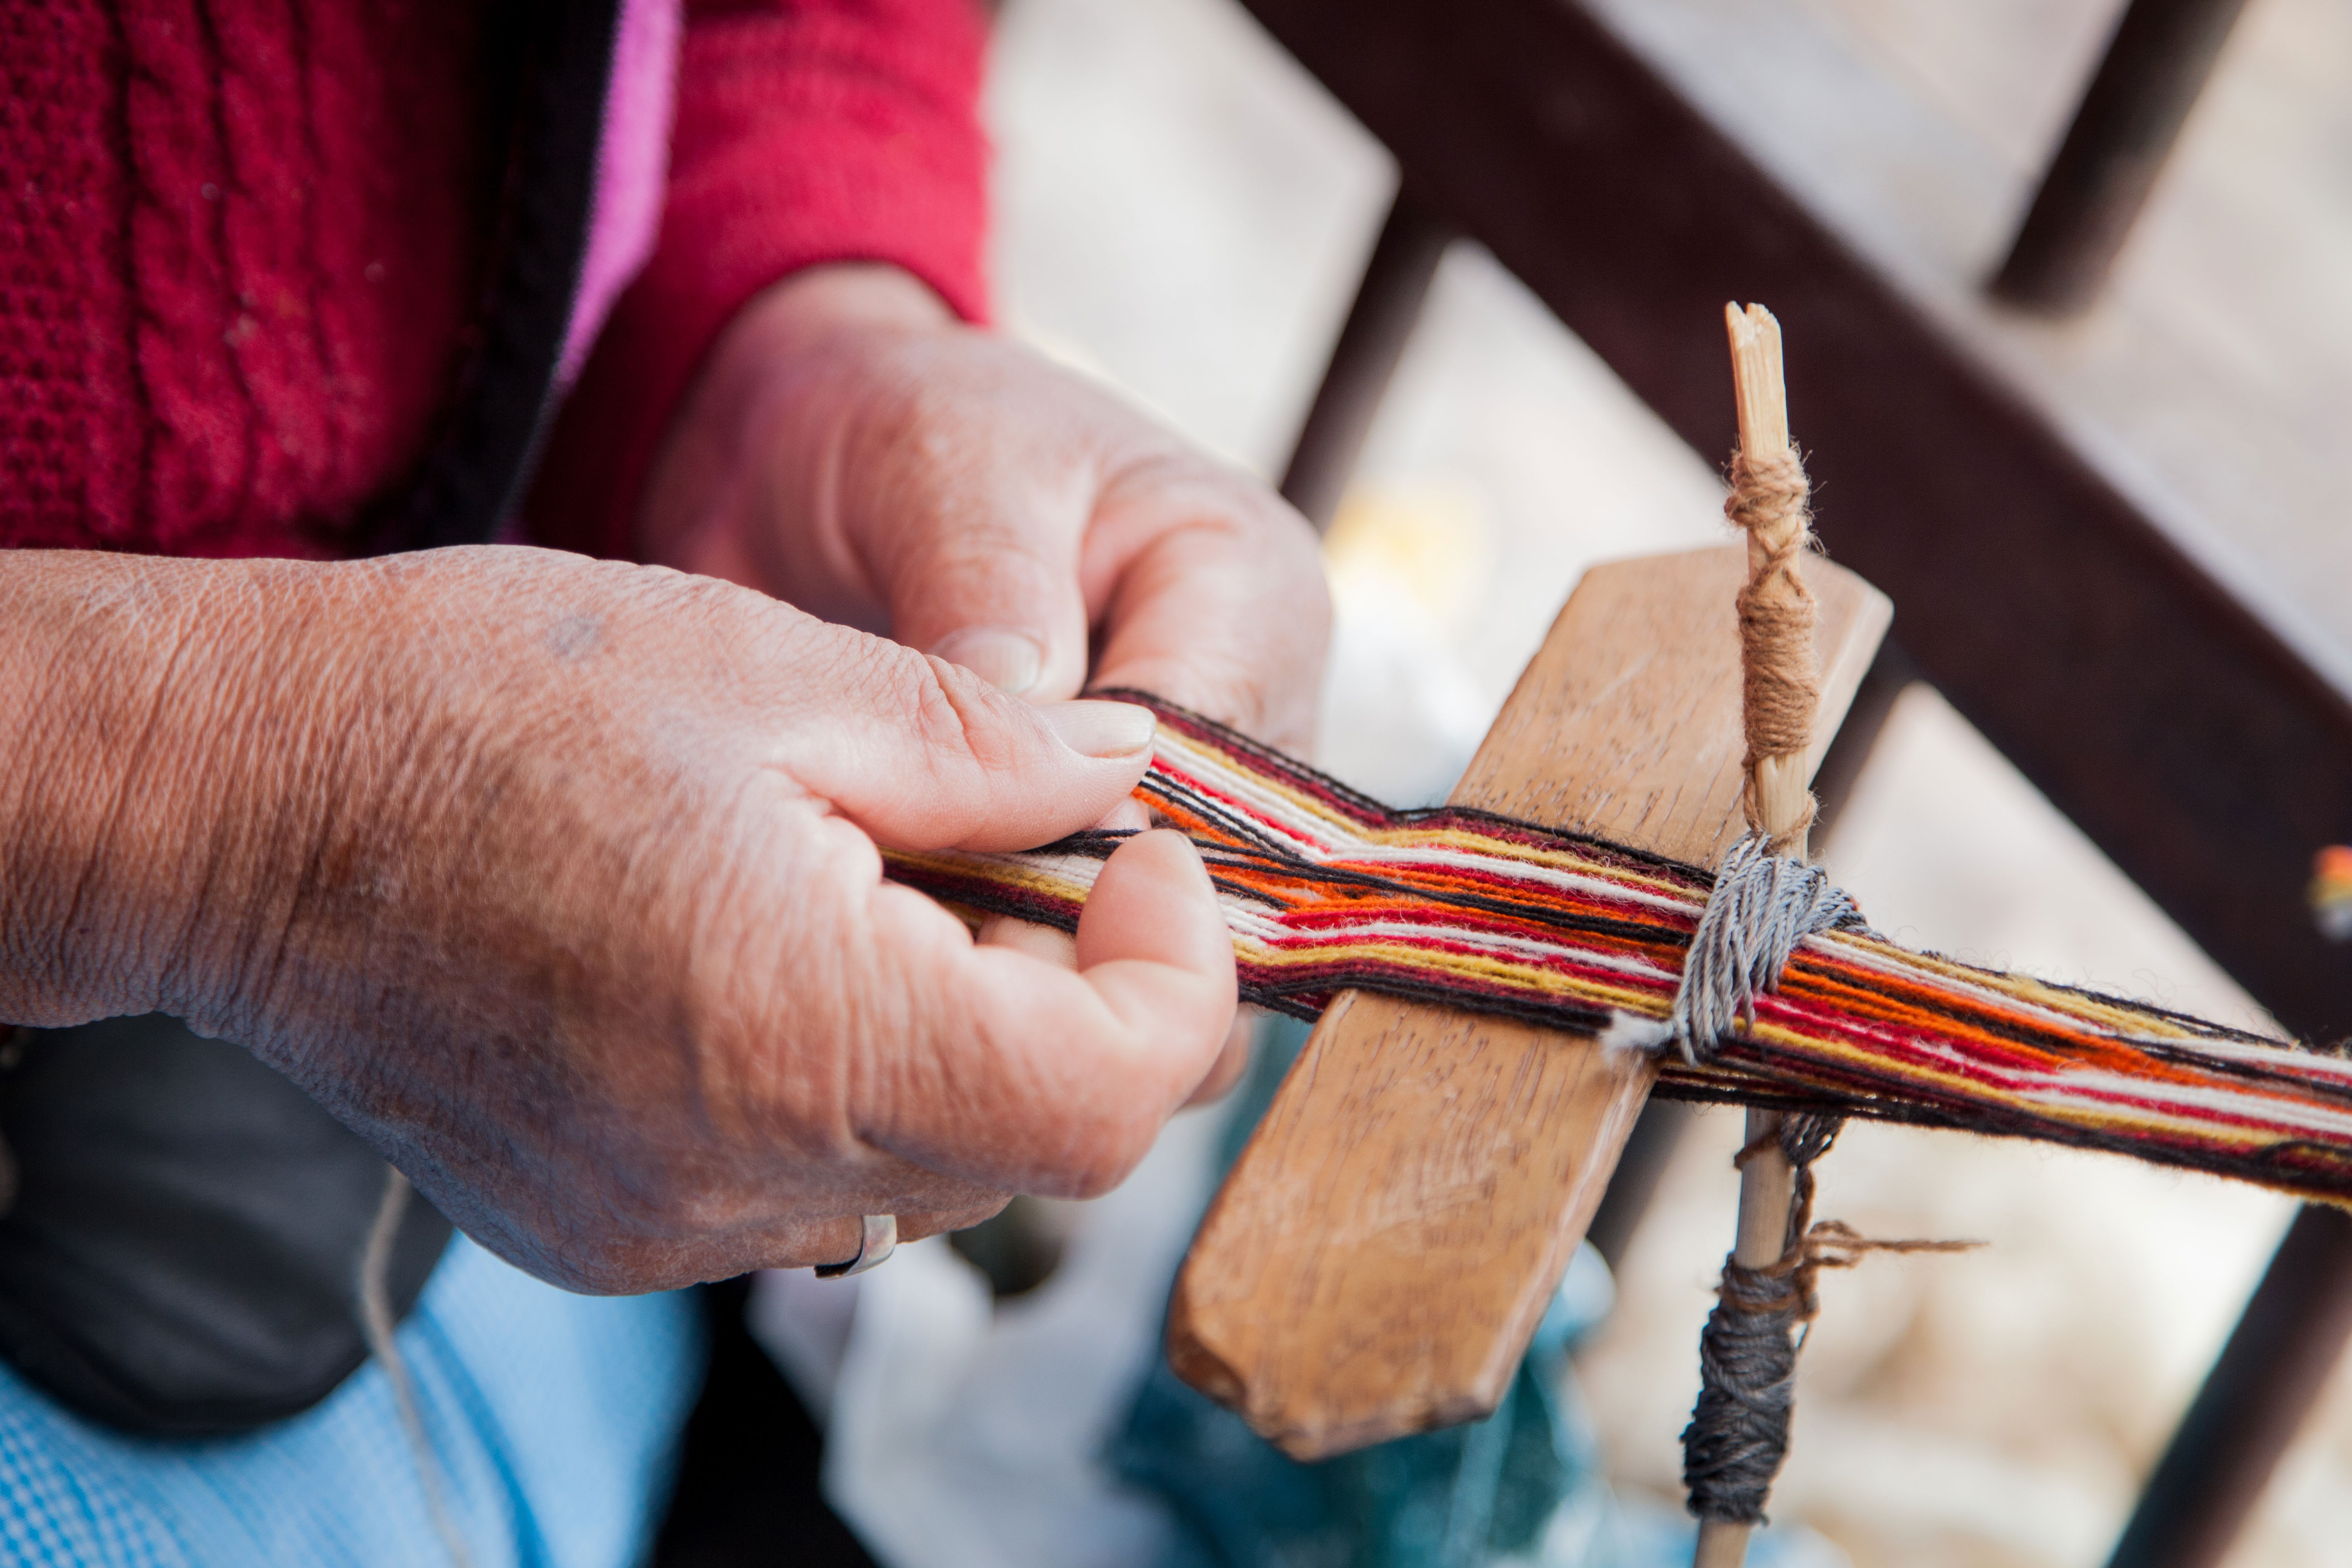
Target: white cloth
x,y
961,1433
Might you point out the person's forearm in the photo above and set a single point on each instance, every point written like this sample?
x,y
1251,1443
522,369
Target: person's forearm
x,y
217,775
125,698
248,793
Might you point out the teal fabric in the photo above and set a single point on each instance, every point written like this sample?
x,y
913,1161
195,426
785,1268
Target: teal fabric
x,y
1519,1486
554,1421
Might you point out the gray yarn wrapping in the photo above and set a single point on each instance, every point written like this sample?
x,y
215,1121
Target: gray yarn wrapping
x,y
1762,906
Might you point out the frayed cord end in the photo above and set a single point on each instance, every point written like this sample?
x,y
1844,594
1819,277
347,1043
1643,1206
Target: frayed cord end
x,y
1631,1031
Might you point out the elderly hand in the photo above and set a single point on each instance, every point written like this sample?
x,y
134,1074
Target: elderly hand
x,y
558,880
853,449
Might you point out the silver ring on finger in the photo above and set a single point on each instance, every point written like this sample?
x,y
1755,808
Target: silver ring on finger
x,y
874,1244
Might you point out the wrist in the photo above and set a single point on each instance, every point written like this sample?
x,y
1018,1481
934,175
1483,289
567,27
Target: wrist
x,y
112,799
770,367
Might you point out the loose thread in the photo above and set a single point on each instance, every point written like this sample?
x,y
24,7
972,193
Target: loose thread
x,y
376,1326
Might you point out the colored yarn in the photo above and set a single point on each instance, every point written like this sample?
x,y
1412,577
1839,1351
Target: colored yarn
x,y
1738,1431
1326,890
1738,1434
2331,892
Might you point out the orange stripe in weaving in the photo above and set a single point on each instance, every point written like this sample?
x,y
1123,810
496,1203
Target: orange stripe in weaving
x,y
1326,890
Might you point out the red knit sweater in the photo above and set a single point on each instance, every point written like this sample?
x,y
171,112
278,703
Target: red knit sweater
x,y
239,242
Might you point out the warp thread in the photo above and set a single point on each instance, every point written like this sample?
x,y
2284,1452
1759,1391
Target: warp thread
x,y
1326,890
1781,691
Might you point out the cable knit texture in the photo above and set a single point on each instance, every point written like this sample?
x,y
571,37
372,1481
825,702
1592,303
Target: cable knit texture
x,y
239,240
808,131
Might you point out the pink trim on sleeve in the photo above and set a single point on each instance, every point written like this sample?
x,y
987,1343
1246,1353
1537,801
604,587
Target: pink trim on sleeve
x,y
632,169
807,131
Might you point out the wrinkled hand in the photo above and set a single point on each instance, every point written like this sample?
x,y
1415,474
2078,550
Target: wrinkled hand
x,y
854,451
558,880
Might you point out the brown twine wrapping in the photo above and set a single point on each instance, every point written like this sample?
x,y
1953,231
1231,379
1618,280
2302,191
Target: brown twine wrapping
x,y
1782,690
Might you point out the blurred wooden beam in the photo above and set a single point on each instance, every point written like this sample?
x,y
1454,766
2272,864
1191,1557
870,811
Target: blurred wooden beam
x,y
1371,341
2156,65
2254,1403
2150,704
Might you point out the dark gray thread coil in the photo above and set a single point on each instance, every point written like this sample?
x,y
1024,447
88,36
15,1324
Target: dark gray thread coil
x,y
1738,1434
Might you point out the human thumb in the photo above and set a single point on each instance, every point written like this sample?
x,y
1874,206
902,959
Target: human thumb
x,y
924,754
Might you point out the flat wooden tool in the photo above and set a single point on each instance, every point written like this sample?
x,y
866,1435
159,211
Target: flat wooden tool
x,y
1381,1252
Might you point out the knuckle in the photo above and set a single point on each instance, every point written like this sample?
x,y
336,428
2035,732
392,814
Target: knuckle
x,y
955,714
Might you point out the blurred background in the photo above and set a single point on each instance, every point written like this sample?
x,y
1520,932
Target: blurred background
x,y
1185,214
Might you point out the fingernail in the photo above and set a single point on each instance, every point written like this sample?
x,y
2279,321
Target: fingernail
x,y
1100,729
1009,660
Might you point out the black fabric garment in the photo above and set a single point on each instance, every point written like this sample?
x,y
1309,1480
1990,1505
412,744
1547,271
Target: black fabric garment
x,y
558,56
182,1258
747,1493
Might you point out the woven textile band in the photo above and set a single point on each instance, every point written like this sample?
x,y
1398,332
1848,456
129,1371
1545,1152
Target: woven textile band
x,y
1326,890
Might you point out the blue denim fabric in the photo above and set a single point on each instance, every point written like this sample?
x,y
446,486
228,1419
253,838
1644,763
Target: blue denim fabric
x,y
554,1420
